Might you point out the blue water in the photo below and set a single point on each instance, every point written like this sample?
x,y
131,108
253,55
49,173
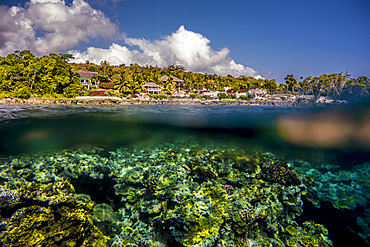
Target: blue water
x,y
55,127
282,131
40,128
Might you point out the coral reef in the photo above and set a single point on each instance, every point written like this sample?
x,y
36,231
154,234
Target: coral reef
x,y
191,195
46,215
174,194
309,235
345,189
279,172
363,222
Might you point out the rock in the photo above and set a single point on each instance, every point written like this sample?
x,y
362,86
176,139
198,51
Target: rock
x,y
256,92
259,96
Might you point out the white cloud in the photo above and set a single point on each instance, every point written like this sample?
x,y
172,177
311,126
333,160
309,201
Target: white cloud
x,y
183,47
44,26
50,26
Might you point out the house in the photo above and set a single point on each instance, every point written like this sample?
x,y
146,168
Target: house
x,y
85,78
179,82
152,88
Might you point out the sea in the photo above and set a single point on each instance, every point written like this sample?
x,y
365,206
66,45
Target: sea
x,y
179,175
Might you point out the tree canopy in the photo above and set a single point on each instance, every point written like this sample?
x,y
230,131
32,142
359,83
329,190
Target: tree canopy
x,y
24,75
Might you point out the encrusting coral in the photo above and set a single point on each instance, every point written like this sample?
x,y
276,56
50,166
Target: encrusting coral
x,y
180,194
46,215
197,196
309,235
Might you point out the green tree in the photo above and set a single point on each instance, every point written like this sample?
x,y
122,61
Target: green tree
x,y
356,89
92,68
104,65
319,84
26,75
291,82
124,85
305,85
270,86
170,85
128,84
337,82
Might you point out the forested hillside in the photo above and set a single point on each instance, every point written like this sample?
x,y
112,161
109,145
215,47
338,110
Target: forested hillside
x,y
23,75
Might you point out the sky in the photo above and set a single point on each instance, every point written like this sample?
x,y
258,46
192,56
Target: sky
x,y
263,39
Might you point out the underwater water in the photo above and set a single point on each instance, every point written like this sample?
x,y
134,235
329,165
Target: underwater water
x,y
160,175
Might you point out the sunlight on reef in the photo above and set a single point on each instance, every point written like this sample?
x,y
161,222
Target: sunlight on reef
x,y
46,214
180,194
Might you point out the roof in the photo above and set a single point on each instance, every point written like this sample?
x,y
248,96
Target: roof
x,y
151,84
166,78
85,74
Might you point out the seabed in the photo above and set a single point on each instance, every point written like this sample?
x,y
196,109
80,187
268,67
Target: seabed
x,y
173,194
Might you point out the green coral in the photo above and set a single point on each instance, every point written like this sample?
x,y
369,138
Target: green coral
x,y
292,230
192,202
205,213
309,235
181,194
308,241
47,215
249,163
344,203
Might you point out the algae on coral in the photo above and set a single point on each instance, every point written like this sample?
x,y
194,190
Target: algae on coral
x,y
47,215
175,194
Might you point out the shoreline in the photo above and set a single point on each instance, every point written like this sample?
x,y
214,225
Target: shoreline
x,y
118,101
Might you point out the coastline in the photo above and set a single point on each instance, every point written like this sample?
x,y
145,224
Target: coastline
x,y
118,101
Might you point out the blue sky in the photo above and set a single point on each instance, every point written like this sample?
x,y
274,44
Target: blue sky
x,y
267,37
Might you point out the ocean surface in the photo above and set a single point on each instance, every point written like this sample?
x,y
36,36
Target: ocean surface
x,y
160,175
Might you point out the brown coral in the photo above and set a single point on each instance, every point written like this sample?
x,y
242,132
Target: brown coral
x,y
245,215
280,172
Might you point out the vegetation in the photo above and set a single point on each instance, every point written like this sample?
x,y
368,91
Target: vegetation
x,y
157,96
23,75
243,97
206,97
223,96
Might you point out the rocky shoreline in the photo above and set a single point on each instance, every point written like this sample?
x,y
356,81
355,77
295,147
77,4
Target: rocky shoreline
x,y
118,101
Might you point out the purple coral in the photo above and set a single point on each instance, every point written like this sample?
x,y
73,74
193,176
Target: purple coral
x,y
227,188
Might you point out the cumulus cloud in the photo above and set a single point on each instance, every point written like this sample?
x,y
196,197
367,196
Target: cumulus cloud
x,y
44,26
50,26
183,47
